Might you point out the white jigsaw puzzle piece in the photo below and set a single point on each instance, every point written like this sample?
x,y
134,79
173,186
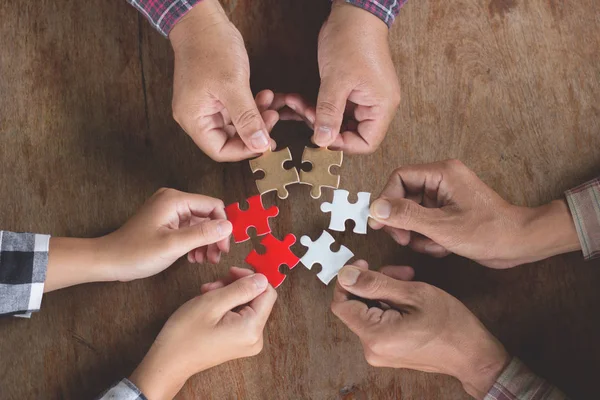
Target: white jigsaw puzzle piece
x,y
341,210
319,252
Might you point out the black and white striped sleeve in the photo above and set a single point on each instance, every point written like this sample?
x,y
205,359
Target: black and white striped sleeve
x,y
23,264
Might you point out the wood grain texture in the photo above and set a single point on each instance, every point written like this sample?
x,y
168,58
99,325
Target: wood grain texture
x,y
511,87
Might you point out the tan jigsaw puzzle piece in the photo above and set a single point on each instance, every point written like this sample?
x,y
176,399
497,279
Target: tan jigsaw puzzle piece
x,y
322,159
276,176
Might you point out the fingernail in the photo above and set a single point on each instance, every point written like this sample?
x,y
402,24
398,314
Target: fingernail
x,y
434,248
311,119
259,140
348,276
224,228
382,208
261,281
323,134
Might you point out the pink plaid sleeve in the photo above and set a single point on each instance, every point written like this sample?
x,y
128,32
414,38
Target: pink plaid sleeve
x,y
517,382
163,14
387,10
584,203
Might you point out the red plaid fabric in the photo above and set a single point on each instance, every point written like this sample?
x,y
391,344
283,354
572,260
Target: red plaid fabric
x,y
163,14
584,203
517,382
387,10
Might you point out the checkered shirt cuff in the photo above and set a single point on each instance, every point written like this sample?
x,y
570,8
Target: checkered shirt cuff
x,y
517,382
584,203
163,14
23,263
124,390
386,10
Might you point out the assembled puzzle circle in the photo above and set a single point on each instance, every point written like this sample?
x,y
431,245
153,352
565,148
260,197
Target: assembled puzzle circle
x,y
277,178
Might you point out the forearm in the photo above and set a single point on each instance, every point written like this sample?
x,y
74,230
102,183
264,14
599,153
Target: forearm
x,y
74,261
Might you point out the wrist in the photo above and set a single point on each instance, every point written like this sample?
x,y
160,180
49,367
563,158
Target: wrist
x,y
204,15
357,17
156,378
73,261
483,366
548,230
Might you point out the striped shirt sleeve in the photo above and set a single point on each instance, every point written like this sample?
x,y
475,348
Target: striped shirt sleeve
x,y
386,10
163,14
123,390
584,203
23,264
517,382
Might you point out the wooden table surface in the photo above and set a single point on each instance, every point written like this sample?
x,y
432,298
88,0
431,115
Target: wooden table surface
x,y
510,87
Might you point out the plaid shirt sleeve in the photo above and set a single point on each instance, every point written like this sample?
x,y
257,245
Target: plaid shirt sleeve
x,y
517,382
163,14
584,203
124,390
23,263
386,10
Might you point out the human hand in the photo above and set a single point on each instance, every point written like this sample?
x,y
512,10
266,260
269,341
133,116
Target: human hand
x,y
359,92
169,225
223,324
417,326
212,100
444,207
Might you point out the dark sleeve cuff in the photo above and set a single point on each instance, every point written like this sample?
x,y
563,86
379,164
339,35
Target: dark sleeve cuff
x,y
23,264
386,10
163,14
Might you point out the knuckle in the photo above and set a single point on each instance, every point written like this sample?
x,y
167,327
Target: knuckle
x,y
217,156
160,191
374,283
246,118
327,108
169,193
418,291
454,163
405,212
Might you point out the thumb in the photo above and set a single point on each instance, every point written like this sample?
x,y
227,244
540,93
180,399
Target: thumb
x,y
331,104
202,234
247,120
374,285
238,293
407,214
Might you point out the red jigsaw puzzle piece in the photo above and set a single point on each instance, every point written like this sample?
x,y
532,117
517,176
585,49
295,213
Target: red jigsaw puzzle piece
x,y
255,216
278,253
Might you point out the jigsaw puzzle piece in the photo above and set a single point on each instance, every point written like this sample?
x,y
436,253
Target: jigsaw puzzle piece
x,y
342,210
255,216
276,176
319,252
321,159
277,254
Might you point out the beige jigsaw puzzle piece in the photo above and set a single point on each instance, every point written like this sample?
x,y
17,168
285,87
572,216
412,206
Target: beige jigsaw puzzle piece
x,y
322,159
276,176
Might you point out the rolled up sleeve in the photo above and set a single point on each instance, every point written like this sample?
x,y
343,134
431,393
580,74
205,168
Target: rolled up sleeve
x,y
23,264
517,382
386,10
584,204
163,14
